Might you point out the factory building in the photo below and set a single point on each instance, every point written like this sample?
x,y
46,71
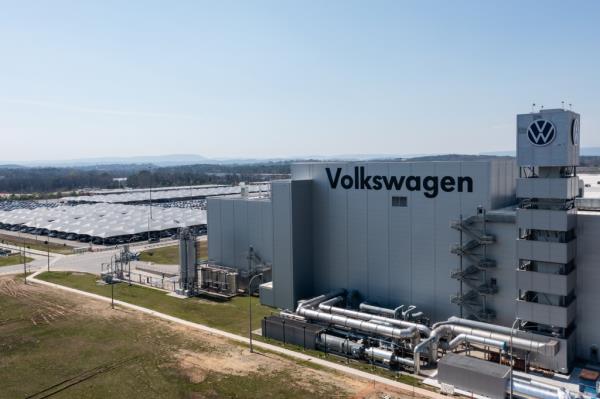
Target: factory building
x,y
489,241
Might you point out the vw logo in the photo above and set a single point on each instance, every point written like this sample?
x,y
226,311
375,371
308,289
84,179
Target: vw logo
x,y
541,132
575,131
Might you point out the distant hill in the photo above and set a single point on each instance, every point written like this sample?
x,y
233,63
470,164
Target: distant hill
x,y
194,159
585,151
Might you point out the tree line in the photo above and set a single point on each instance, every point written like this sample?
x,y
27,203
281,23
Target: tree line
x,y
47,180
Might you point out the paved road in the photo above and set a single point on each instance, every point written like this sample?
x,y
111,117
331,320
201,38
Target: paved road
x,y
87,262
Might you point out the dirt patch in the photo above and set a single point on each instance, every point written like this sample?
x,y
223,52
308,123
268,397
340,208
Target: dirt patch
x,y
226,360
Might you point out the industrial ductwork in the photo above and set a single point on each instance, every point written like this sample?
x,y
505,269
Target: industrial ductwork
x,y
474,331
534,389
391,313
360,325
319,299
423,330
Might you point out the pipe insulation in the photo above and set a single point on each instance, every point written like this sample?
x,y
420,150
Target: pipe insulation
x,y
537,390
365,326
319,299
473,339
424,330
386,356
447,329
391,313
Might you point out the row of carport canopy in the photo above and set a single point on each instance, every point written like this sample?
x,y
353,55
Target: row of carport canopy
x,y
104,220
159,195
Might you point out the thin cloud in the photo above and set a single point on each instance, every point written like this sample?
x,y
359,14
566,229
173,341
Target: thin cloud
x,y
91,110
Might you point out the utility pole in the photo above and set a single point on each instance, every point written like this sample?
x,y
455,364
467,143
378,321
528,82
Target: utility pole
x,y
48,249
24,264
250,308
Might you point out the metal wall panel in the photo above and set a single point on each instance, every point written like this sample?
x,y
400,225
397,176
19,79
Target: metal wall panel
x,y
503,251
547,314
215,228
357,233
544,219
445,261
378,207
588,283
423,243
228,257
235,224
401,242
302,238
283,285
240,234
547,283
565,188
555,252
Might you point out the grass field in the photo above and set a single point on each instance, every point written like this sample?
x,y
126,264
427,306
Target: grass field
x,y
170,255
13,260
229,316
36,244
62,347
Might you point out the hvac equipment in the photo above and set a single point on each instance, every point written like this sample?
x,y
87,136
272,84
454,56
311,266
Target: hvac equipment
x,y
218,280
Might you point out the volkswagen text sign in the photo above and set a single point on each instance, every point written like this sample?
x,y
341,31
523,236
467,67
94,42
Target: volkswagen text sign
x,y
541,132
430,185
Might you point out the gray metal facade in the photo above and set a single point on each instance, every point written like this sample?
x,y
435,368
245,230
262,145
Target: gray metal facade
x,y
320,238
397,254
235,224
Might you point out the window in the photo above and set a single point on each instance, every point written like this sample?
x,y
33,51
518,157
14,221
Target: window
x,y
399,201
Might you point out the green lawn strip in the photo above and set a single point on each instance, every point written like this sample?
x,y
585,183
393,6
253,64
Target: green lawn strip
x,y
170,255
38,355
231,316
13,260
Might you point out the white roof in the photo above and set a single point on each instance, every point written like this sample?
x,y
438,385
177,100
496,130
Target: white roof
x,y
170,194
105,220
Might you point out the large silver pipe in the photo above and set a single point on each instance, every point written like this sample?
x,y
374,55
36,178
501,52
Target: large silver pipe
x,y
430,345
549,348
424,330
466,338
365,326
318,299
537,390
386,356
333,301
340,345
391,313
475,324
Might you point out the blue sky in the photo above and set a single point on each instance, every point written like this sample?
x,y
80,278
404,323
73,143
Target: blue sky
x,y
288,78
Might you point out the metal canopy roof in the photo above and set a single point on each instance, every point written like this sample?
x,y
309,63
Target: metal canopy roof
x,y
105,220
162,194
